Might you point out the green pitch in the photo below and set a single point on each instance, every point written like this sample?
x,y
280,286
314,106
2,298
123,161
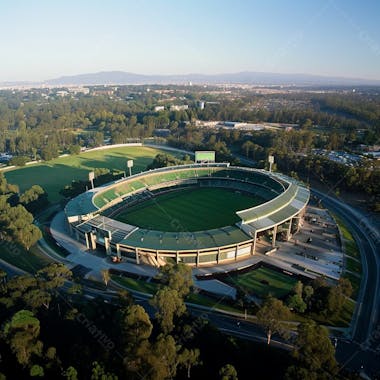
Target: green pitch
x,y
262,282
55,174
194,209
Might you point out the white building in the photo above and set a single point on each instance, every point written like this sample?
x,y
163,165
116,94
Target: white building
x,y
179,108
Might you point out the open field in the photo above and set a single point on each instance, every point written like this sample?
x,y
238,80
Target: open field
x,y
192,209
262,282
54,175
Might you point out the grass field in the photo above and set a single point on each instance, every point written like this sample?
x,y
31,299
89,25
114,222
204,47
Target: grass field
x,y
194,209
262,282
54,175
30,261
137,285
351,250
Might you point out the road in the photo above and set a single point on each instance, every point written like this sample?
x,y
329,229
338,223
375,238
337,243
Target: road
x,y
361,352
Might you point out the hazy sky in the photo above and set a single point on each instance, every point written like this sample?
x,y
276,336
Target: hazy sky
x,y
45,39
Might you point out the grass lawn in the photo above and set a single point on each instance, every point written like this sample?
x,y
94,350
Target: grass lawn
x,y
353,265
54,175
349,244
30,261
138,285
262,282
194,209
351,250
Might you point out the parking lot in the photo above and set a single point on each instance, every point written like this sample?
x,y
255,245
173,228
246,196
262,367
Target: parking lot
x,y
316,246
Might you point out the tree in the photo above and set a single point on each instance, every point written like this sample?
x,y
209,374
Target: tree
x,y
74,149
298,288
136,326
271,317
169,305
247,147
308,292
34,199
17,224
36,371
188,359
314,352
162,361
106,276
98,372
334,301
345,286
54,275
3,279
70,373
36,298
22,333
228,372
297,303
177,277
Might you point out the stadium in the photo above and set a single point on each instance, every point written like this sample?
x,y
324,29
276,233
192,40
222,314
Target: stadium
x,y
200,214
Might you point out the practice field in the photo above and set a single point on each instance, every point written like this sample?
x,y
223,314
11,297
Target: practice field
x,y
262,282
192,209
54,175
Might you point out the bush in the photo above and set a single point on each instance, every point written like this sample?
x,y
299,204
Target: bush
x,y
19,160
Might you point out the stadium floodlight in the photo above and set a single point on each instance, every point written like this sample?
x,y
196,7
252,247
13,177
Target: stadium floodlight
x,y
91,177
130,166
271,162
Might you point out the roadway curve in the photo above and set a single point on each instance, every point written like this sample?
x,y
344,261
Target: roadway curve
x,y
359,353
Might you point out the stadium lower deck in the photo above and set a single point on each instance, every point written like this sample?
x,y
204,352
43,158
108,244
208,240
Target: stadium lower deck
x,y
90,215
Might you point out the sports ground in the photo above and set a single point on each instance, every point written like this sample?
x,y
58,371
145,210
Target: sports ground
x,y
192,209
262,282
54,175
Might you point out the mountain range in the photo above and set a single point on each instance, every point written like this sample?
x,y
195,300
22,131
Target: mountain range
x,y
247,77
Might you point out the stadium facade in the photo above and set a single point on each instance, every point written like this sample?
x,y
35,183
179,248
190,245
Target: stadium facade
x,y
90,215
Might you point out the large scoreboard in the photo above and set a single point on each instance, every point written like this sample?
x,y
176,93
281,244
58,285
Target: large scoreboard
x,y
204,156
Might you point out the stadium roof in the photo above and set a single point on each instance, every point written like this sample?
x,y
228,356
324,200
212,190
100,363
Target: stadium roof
x,y
282,210
173,241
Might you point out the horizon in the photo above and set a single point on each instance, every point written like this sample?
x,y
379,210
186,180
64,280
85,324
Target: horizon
x,y
50,40
46,81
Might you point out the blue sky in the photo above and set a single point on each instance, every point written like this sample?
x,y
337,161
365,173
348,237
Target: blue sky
x,y
45,39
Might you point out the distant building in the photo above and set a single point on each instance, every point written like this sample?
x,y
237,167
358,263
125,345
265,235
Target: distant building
x,y
62,93
105,92
159,108
240,126
179,108
161,132
79,90
201,105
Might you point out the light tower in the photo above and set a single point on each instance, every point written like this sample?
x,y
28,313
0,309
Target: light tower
x,y
271,162
130,166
